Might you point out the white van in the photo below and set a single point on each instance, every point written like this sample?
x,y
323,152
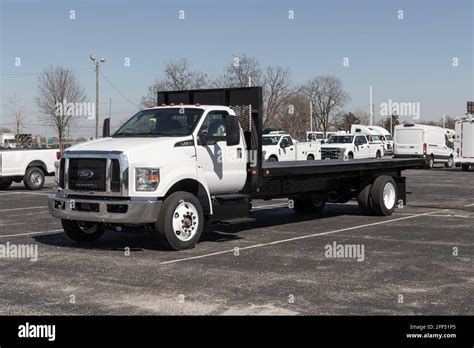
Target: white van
x,y
430,142
464,143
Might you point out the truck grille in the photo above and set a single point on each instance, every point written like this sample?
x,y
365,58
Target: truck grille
x,y
94,183
332,153
61,172
115,176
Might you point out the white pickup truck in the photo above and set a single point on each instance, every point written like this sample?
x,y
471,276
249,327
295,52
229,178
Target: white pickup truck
x,y
279,146
350,146
29,166
197,159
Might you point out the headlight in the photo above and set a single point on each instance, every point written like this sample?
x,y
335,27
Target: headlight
x,y
147,179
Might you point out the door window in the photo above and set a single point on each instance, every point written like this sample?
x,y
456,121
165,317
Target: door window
x,y
214,125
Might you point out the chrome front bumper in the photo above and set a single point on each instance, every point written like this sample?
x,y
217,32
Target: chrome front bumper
x,y
131,211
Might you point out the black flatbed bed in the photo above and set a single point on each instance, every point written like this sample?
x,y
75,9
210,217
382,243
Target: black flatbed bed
x,y
289,168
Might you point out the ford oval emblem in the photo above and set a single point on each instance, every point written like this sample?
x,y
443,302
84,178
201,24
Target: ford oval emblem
x,y
85,173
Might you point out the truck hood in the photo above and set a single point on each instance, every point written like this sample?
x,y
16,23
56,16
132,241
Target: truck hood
x,y
131,146
335,146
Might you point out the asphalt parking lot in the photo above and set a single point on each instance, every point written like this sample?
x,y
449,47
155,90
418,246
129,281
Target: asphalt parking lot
x,y
418,261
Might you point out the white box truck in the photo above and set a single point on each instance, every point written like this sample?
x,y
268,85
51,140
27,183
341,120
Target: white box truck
x,y
464,143
421,141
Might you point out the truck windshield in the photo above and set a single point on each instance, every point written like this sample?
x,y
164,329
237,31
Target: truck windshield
x,y
161,122
340,139
388,137
271,140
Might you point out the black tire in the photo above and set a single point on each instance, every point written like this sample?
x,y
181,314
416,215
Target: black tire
x,y
272,159
377,195
450,163
164,231
350,156
430,162
308,205
465,167
310,158
34,178
5,183
82,231
363,198
378,155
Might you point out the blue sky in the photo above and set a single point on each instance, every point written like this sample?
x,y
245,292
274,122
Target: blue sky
x,y
407,60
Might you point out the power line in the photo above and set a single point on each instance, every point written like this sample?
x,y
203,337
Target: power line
x,y
38,73
118,91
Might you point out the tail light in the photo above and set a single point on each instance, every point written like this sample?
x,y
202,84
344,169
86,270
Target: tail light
x,y
425,148
58,155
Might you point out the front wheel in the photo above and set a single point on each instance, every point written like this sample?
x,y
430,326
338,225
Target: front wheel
x,y
450,163
34,178
310,158
465,167
83,231
180,223
5,183
430,162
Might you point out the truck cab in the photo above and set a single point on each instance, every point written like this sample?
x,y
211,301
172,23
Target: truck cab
x,y
278,146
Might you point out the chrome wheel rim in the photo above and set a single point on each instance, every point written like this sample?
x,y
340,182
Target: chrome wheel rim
x,y
185,221
36,178
389,195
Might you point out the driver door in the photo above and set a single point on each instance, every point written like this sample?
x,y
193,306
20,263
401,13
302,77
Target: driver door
x,y
222,167
287,149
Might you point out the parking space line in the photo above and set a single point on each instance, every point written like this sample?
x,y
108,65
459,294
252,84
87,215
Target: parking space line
x,y
298,238
25,208
30,233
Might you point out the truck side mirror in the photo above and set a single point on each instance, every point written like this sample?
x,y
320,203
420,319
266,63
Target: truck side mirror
x,y
232,130
106,128
202,139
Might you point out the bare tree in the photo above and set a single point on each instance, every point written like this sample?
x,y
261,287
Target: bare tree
x,y
56,86
295,116
276,92
178,75
327,97
17,110
240,72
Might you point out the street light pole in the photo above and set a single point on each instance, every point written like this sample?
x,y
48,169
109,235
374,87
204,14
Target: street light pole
x,y
96,63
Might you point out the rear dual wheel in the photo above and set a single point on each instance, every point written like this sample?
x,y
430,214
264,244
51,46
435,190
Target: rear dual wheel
x,y
379,198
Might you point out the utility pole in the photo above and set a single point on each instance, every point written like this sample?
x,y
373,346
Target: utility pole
x,y
310,115
371,106
96,63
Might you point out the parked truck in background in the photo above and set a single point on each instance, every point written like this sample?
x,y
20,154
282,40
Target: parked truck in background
x,y
373,136
279,146
350,146
29,166
464,143
197,159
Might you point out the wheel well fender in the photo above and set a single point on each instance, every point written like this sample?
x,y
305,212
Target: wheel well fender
x,y
39,164
196,188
